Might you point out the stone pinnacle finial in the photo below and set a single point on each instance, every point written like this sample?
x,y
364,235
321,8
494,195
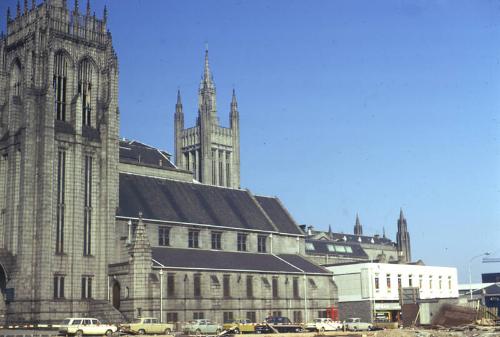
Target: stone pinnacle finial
x,y
206,69
25,6
76,6
33,4
8,14
179,96
401,215
105,14
18,9
88,8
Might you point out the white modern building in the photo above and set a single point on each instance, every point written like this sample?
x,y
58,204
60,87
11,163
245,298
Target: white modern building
x,y
369,290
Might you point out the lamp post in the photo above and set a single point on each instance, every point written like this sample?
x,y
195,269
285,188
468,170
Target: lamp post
x,y
161,295
470,272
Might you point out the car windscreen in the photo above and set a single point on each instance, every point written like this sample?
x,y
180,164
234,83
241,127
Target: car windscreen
x,y
65,322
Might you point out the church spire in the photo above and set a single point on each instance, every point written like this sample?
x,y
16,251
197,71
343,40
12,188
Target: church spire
x,y
358,229
403,239
207,75
178,105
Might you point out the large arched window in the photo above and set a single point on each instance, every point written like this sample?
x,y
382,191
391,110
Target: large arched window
x,y
85,89
16,79
60,86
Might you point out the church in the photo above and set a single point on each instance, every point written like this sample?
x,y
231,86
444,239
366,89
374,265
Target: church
x,y
92,224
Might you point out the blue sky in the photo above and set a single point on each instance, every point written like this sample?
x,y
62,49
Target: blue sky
x,y
346,106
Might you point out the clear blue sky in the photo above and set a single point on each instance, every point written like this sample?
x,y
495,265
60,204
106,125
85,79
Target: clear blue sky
x,y
346,106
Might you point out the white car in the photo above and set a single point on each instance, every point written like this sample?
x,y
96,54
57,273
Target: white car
x,y
355,324
323,324
85,326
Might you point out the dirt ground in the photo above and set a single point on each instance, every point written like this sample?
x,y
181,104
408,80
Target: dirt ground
x,y
482,332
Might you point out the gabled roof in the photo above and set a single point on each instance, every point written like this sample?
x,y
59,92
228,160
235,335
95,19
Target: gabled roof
x,y
354,249
198,259
365,239
278,214
134,152
193,203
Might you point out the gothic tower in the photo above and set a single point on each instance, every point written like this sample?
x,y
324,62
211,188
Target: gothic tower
x,y
403,239
358,229
59,128
209,150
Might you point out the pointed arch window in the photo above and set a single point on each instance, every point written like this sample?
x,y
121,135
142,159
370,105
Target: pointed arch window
x,y
15,80
59,85
85,90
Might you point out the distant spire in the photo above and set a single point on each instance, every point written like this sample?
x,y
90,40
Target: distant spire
x,y
178,105
358,229
18,9
401,215
233,99
383,232
76,6
179,97
25,6
8,14
88,8
207,76
105,14
330,234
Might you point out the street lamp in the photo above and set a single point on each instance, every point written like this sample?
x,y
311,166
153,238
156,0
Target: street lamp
x,y
470,273
161,295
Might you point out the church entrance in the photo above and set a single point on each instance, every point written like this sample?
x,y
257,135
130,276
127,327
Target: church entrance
x,y
116,295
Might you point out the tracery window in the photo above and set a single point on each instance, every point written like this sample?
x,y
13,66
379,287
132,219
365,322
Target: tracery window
x,y
85,90
59,85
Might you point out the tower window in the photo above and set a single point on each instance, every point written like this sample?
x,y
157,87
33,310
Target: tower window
x,y
228,169
87,207
59,85
15,80
85,90
61,173
221,168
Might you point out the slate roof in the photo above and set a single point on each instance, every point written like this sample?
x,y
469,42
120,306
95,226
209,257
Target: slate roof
x,y
235,261
134,152
321,247
186,202
279,216
338,237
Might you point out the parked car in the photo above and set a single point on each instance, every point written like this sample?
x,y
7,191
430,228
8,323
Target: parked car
x,y
202,327
278,323
324,324
355,324
85,326
239,326
148,325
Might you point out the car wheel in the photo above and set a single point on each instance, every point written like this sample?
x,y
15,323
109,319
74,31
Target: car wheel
x,y
141,332
237,331
109,333
218,331
322,329
79,333
355,329
167,331
197,332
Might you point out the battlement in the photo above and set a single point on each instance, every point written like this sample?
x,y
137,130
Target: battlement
x,y
58,20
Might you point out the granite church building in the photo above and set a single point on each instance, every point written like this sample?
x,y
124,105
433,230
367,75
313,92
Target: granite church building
x,y
91,224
